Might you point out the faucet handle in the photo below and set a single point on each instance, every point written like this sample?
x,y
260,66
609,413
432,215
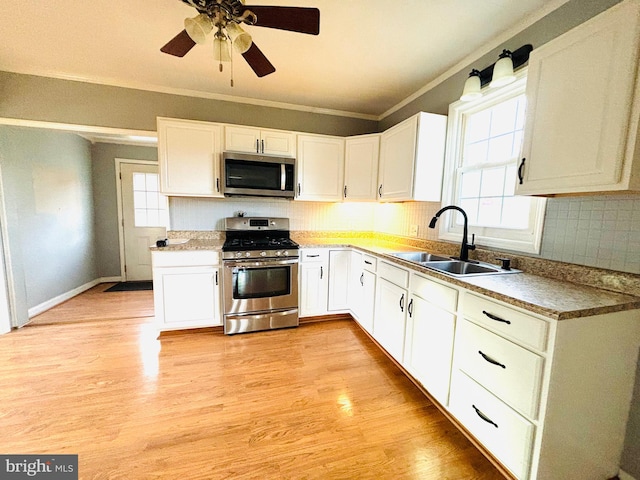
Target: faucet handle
x,y
506,263
472,245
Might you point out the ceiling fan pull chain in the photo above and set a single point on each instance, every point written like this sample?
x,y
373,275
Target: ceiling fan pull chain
x,y
231,64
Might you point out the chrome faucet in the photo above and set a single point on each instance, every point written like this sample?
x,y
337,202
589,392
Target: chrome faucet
x,y
466,246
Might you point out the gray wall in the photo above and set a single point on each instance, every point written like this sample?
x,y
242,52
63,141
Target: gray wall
x,y
64,101
103,157
46,178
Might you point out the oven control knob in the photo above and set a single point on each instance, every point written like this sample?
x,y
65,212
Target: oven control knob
x,y
285,253
238,254
248,254
263,254
278,253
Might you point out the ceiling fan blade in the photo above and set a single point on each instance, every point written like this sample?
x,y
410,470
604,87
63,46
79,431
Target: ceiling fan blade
x,y
294,19
258,62
179,45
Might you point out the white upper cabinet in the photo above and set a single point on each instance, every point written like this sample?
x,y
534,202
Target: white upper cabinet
x,y
412,159
583,109
320,168
189,157
256,140
361,168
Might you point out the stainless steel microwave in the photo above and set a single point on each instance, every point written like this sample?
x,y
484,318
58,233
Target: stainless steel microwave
x,y
247,174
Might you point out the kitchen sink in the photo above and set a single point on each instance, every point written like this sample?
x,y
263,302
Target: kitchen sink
x,y
457,268
420,257
449,266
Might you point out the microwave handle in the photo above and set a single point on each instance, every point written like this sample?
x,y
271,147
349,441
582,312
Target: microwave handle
x,y
283,177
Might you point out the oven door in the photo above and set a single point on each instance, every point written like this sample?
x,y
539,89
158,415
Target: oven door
x,y
260,285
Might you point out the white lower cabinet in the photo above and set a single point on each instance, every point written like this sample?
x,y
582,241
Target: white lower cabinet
x,y
186,289
362,289
339,269
502,431
428,347
392,298
314,281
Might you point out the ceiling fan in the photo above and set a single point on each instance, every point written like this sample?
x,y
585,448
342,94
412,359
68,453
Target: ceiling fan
x,y
226,16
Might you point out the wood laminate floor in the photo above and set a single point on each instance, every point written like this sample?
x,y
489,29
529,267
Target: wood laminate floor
x,y
320,401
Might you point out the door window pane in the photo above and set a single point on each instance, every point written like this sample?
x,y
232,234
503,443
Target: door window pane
x,y
150,206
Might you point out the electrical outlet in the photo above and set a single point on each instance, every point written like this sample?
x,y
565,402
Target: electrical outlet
x,y
413,230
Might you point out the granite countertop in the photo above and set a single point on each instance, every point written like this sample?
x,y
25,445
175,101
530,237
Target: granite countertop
x,y
552,298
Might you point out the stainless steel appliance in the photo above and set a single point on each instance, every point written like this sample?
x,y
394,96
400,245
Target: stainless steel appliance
x,y
260,275
250,174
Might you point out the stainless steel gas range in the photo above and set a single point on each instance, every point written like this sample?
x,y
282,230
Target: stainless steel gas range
x,y
260,278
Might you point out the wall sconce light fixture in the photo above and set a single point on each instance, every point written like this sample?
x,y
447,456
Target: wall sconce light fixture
x,y
497,74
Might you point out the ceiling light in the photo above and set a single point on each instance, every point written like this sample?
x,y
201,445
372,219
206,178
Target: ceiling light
x,y
503,70
241,40
221,50
471,89
198,27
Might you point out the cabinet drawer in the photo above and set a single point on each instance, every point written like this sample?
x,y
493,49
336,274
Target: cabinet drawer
x,y
314,255
434,292
185,258
396,275
369,263
502,431
509,371
507,321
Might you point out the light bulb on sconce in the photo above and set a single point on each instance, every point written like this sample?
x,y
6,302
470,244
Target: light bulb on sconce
x,y
472,87
503,70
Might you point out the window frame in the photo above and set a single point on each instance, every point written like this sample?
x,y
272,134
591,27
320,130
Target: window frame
x,y
527,241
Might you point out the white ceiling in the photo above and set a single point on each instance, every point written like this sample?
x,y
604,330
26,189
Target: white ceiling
x,y
370,56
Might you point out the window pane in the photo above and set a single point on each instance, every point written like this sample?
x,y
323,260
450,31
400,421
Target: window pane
x,y
522,107
501,148
140,217
477,127
510,181
492,182
470,184
470,206
139,182
503,118
153,218
139,200
152,182
517,143
476,153
516,212
490,211
152,200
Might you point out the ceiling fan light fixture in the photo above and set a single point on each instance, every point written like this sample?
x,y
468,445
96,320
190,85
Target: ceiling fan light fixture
x,y
241,40
221,50
472,87
503,70
198,27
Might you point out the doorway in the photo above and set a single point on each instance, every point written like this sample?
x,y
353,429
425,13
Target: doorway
x,y
143,216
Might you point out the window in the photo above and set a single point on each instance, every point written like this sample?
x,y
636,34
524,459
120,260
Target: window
x,y
483,150
149,205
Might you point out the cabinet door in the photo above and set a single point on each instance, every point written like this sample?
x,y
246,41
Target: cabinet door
x,y
429,346
189,157
397,157
320,166
355,285
368,300
241,139
274,142
579,91
313,289
361,168
339,262
187,297
389,322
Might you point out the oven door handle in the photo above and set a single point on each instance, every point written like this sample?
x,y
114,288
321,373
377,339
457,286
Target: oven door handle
x,y
258,263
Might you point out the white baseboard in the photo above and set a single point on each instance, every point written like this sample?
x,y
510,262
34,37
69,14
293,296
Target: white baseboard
x,y
625,476
44,306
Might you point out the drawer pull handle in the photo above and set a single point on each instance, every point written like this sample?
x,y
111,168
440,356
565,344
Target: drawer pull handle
x,y
368,262
496,318
491,360
312,256
484,417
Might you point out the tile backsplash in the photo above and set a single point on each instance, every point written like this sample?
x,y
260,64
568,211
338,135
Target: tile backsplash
x,y
601,231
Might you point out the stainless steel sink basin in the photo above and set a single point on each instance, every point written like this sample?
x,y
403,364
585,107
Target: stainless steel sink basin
x,y
420,257
457,268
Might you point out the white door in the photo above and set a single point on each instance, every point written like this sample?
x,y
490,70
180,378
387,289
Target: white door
x,y
5,312
144,217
